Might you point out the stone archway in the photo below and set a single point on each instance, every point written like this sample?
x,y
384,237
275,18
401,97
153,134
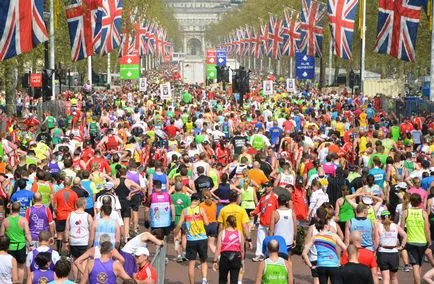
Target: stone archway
x,y
194,47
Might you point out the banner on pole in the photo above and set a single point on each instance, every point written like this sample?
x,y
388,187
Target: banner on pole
x,y
36,80
221,57
211,72
211,56
165,91
267,87
290,85
143,86
304,66
129,67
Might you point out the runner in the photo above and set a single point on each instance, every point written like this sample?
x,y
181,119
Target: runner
x,y
16,229
196,220
274,269
103,268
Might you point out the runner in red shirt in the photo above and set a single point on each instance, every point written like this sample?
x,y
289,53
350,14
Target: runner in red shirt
x,y
145,270
101,161
171,129
63,204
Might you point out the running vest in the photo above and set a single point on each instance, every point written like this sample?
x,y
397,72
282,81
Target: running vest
x,y
78,229
45,190
34,266
102,272
93,128
346,212
162,178
258,142
160,210
364,226
51,122
54,167
42,277
327,255
89,200
15,234
112,143
105,226
275,272
231,241
389,238
248,199
225,129
38,221
286,179
285,226
415,226
135,177
195,228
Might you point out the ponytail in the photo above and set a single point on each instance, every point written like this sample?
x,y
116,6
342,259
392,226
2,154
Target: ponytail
x,y
386,223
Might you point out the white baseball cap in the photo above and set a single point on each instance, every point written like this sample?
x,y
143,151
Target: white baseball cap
x,y
402,185
142,251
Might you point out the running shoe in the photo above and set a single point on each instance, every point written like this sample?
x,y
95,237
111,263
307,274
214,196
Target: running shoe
x,y
258,258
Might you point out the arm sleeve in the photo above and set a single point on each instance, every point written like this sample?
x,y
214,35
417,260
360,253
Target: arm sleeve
x,y
49,215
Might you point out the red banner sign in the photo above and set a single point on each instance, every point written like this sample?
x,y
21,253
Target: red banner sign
x,y
35,80
211,56
130,59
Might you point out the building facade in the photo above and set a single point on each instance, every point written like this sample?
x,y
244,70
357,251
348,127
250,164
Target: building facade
x,y
193,17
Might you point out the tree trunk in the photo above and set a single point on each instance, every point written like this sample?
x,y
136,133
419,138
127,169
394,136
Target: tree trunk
x,y
322,73
11,88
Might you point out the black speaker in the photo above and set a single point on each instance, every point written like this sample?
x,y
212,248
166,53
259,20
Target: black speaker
x,y
25,80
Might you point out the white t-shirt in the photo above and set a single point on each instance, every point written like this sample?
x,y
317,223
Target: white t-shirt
x,y
132,245
54,255
116,205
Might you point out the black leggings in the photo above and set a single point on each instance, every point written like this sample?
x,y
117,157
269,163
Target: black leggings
x,y
229,266
332,273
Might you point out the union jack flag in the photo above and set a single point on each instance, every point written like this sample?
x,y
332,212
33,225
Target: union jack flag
x,y
127,46
84,22
141,38
109,36
397,28
264,38
342,15
242,40
290,32
247,41
312,27
256,43
275,39
237,43
151,38
22,27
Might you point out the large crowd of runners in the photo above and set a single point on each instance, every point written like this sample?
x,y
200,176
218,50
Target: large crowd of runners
x,y
327,176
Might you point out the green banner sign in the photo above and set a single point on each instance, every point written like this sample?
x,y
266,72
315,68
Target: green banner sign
x,y
130,71
211,72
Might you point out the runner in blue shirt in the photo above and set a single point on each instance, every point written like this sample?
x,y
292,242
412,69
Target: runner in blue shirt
x,y
275,133
23,196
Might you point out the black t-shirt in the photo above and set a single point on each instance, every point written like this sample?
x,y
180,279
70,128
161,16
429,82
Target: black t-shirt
x,y
44,137
266,168
239,142
81,192
356,273
203,182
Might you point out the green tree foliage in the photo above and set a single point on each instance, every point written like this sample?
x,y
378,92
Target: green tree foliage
x,y
253,11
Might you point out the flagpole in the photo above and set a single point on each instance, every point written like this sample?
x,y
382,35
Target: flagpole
x,y
109,75
278,67
290,67
432,56
254,63
89,69
262,64
362,65
52,59
331,61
